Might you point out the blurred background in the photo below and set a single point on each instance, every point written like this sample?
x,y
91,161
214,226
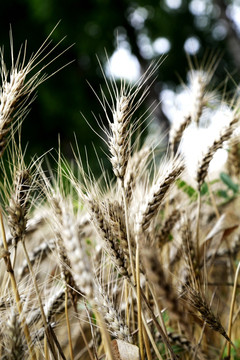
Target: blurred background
x,y
133,33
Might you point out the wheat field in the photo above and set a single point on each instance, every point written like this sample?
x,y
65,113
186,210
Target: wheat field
x,y
142,263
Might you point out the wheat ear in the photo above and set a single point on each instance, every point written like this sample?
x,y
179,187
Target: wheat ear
x,y
158,191
15,347
17,87
39,253
162,288
111,316
176,133
19,205
189,251
233,161
104,229
12,92
200,308
53,305
119,146
81,270
217,144
163,235
136,164
63,235
198,82
17,211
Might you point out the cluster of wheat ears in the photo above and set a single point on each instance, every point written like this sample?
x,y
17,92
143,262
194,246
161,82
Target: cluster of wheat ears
x,y
140,265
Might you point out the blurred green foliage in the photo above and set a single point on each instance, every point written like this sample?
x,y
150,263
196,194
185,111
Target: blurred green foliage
x,y
93,26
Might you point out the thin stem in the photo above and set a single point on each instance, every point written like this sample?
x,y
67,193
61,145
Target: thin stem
x,y
126,292
160,315
82,332
132,311
151,339
105,336
198,226
147,345
159,328
139,305
46,353
213,200
128,232
146,340
68,325
231,310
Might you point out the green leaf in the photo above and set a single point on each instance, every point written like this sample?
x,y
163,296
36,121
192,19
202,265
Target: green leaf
x,y
189,190
204,189
88,241
228,181
223,194
214,181
170,237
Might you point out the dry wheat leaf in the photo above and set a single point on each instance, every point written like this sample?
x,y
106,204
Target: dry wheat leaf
x,y
225,224
124,351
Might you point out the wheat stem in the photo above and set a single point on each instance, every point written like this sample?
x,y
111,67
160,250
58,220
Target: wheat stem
x,y
139,306
126,293
146,343
105,335
158,326
151,339
68,325
83,336
231,309
198,227
128,232
213,201
46,352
